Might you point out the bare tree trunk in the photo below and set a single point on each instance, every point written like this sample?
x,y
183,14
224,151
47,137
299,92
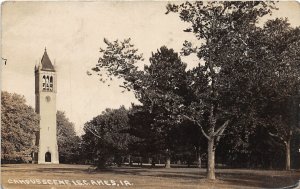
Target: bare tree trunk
x,y
288,155
199,160
168,160
211,160
129,160
141,161
153,162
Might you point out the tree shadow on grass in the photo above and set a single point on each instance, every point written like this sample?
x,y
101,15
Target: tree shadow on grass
x,y
170,173
258,180
246,178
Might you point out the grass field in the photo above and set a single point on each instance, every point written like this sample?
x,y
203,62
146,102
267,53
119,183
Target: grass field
x,y
32,176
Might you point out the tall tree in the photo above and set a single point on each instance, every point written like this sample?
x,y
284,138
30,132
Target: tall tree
x,y
19,123
279,92
165,84
222,28
163,77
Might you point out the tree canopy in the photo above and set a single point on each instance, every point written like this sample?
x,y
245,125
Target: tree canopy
x,y
106,138
19,123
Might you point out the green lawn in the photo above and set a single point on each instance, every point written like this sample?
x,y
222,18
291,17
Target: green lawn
x,y
82,176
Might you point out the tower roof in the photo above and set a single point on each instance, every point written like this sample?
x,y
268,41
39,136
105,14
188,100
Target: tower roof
x,y
46,63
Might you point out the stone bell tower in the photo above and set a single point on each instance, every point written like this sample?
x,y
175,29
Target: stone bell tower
x,y
45,106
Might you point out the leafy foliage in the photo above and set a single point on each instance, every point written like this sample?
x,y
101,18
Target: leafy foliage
x,y
68,141
150,140
105,139
224,28
19,125
280,85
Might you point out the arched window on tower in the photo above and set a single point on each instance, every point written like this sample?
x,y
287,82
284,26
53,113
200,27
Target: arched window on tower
x,y
47,83
44,82
51,83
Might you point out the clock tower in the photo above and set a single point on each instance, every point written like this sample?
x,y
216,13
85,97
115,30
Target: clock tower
x,y
45,106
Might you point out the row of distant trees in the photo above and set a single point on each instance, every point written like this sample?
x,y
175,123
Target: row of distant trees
x,y
119,136
135,135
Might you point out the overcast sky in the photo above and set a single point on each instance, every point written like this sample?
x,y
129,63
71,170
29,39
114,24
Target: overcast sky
x,y
73,33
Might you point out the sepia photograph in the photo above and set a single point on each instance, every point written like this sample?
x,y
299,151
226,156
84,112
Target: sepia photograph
x,y
150,94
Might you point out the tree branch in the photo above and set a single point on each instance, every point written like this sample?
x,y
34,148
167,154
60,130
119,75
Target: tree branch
x,y
201,29
97,135
221,129
202,130
276,136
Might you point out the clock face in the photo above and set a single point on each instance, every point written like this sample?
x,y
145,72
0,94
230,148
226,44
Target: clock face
x,y
48,98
